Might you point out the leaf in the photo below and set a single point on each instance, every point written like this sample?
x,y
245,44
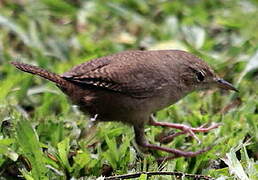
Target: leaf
x,y
143,177
7,84
7,141
28,141
236,167
8,23
249,163
80,160
26,174
61,7
250,66
194,35
8,152
125,145
63,151
251,118
112,154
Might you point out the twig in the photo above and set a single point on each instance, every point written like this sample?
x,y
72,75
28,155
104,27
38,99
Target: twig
x,y
177,174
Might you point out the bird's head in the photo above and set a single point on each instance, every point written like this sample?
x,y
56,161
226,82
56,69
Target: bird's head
x,y
197,75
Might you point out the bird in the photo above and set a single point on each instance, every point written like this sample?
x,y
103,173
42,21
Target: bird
x,y
130,86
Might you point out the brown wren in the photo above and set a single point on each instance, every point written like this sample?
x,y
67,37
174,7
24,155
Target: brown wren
x,y
132,85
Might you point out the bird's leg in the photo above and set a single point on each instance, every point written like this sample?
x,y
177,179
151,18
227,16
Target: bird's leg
x,y
184,129
141,141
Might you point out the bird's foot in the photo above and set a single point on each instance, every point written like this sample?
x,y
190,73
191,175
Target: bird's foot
x,y
184,154
141,141
189,130
176,152
184,130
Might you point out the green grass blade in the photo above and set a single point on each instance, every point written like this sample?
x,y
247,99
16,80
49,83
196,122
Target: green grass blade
x,y
63,151
30,146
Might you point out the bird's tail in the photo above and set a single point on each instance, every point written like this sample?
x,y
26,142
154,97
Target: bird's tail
x,y
41,72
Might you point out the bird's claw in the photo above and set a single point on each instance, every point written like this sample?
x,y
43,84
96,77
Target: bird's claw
x,y
189,130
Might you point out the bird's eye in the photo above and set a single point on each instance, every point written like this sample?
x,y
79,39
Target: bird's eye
x,y
200,76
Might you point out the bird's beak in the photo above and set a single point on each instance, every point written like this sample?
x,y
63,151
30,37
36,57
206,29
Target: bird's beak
x,y
225,85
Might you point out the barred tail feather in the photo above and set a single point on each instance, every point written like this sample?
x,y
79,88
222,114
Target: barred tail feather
x,y
41,72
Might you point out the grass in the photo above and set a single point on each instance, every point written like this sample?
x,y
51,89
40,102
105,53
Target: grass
x,y
40,129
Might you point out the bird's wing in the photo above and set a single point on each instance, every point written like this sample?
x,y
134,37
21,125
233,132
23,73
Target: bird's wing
x,y
134,79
